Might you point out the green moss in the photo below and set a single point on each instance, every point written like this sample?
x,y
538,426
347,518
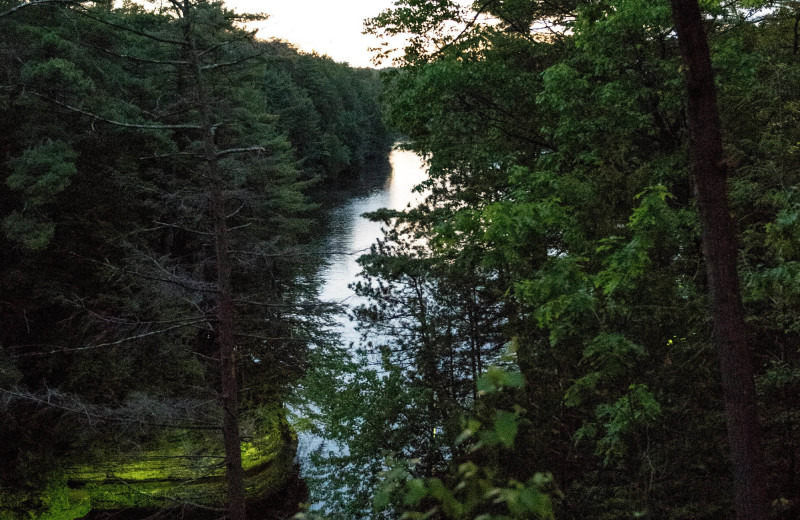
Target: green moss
x,y
122,494
63,503
183,467
180,470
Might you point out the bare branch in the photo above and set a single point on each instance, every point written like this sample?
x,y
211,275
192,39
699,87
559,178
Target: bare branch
x,y
170,498
223,44
234,62
265,338
67,403
129,339
290,254
87,13
239,227
287,305
126,321
111,121
207,358
167,155
176,226
36,3
198,287
231,151
159,457
236,212
130,57
194,288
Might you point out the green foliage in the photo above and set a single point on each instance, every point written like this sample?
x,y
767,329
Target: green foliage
x,y
57,71
542,123
370,417
28,232
630,414
612,357
496,378
42,172
107,252
474,492
471,490
63,503
627,264
39,175
505,427
784,233
561,294
565,201
330,112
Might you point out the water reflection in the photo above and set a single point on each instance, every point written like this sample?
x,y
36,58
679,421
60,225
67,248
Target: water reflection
x,y
350,233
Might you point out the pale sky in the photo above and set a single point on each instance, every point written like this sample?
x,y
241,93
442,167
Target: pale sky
x,y
324,26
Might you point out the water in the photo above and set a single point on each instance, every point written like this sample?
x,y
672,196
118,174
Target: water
x,y
348,236
349,232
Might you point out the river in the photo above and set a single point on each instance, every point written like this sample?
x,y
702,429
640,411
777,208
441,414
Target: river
x,y
347,231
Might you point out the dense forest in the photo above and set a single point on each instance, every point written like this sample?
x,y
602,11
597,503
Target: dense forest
x,y
566,333
159,172
594,312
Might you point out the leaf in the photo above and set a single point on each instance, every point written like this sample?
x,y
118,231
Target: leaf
x,y
513,379
415,491
382,498
485,385
505,426
534,501
574,394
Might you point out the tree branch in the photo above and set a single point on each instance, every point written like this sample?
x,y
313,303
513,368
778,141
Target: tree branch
x,y
87,13
194,288
286,305
170,498
231,151
176,226
166,155
130,57
129,339
264,338
223,44
111,121
93,416
467,27
234,62
37,3
291,254
230,215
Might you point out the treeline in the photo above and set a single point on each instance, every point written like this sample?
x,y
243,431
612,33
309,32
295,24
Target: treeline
x,y
545,313
329,111
156,168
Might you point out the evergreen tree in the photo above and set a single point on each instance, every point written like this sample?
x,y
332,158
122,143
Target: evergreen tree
x,y
155,215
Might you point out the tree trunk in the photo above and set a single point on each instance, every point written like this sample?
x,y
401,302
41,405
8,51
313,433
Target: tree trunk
x,y
227,357
720,252
225,312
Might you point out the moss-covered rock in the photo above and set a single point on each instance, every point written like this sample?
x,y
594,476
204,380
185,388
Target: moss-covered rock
x,y
185,468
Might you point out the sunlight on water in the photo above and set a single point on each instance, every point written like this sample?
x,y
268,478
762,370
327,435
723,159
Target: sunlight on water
x,y
350,235
353,234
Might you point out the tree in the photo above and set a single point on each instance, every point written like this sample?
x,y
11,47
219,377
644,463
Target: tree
x,y
720,251
565,145
218,197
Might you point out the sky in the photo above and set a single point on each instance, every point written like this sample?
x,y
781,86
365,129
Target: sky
x,y
323,26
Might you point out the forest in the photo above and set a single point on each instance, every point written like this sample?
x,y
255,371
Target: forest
x,y
593,313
